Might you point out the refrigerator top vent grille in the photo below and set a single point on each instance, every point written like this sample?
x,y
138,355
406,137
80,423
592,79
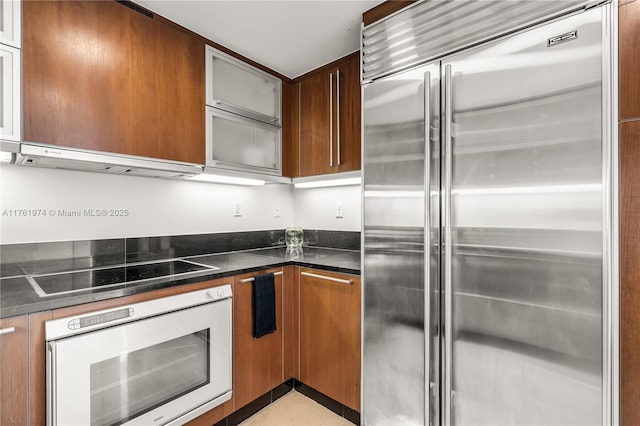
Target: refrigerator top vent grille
x,y
430,29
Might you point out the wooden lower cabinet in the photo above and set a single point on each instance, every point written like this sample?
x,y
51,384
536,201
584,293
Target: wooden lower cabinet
x,y
629,273
291,290
329,347
257,363
13,370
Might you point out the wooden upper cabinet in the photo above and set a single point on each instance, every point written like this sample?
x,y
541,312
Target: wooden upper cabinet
x,y
316,144
383,10
629,57
98,75
13,371
329,119
349,97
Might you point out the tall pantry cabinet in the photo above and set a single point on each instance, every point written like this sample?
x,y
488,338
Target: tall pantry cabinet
x,y
629,128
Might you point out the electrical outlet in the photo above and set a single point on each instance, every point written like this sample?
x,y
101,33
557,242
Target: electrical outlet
x,y
237,209
339,209
276,212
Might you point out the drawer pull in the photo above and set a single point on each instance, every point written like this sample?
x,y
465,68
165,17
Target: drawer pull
x,y
248,280
7,330
323,277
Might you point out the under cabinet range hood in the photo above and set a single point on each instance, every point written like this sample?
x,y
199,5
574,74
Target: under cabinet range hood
x,y
40,155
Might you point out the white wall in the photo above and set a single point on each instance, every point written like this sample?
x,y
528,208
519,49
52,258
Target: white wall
x,y
156,206
315,208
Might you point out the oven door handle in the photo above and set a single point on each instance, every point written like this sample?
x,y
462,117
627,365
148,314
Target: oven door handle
x,y
51,383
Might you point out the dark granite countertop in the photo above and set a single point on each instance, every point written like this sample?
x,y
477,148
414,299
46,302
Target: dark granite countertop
x,y
17,295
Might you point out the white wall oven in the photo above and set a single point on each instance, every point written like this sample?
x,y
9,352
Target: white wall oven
x,y
159,362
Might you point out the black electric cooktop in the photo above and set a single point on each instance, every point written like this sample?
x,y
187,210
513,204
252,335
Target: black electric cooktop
x,y
92,279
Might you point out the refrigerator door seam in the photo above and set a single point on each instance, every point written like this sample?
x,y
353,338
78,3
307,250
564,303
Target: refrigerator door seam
x,y
448,284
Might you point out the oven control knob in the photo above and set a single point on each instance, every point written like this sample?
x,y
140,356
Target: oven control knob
x,y
214,294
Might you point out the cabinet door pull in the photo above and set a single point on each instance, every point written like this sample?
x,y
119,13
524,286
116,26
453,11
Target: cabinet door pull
x,y
330,119
242,111
338,112
323,277
7,330
248,280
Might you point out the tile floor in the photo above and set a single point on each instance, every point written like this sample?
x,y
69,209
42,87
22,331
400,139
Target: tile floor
x,y
295,409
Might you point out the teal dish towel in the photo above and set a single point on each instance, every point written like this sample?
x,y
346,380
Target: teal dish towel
x,y
263,302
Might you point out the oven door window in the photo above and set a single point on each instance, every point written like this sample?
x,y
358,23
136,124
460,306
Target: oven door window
x,y
146,372
131,384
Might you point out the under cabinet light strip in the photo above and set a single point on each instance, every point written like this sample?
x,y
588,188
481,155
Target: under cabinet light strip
x,y
6,157
248,280
326,183
227,179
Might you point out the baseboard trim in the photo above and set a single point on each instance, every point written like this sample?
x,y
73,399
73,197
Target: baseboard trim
x,y
278,392
328,402
243,413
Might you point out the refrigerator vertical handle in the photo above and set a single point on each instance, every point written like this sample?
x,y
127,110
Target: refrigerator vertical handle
x,y
427,246
448,247
331,119
338,113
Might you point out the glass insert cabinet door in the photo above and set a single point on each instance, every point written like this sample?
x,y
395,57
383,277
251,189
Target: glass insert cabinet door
x,y
146,372
238,143
237,87
10,92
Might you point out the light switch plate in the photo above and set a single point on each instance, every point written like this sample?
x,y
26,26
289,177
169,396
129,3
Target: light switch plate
x,y
339,209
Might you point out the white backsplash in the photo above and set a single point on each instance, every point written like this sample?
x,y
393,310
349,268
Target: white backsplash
x,y
315,208
155,207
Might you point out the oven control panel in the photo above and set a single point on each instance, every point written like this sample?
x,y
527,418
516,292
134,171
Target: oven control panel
x,y
70,326
214,294
102,318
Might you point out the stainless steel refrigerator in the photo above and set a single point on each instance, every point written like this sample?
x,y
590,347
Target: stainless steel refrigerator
x,y
487,230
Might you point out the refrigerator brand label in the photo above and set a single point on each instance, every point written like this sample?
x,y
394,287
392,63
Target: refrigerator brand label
x,y
572,35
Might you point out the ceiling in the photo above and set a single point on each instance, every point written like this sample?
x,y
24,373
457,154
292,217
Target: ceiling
x,y
290,37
